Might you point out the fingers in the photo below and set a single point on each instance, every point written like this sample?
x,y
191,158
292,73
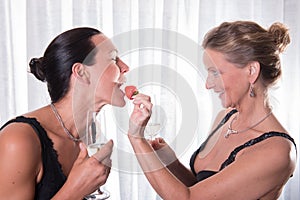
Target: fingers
x,y
157,143
142,109
160,140
104,152
105,166
107,162
140,115
142,101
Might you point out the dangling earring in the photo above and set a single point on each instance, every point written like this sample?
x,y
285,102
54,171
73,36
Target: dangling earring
x,y
252,93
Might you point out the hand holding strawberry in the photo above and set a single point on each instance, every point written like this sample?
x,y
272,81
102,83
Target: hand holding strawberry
x,y
141,112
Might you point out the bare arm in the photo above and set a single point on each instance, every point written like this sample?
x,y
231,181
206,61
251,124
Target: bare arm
x,y
158,175
21,167
182,173
254,174
155,171
169,159
20,162
258,171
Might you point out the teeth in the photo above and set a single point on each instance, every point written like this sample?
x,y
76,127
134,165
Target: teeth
x,y
121,86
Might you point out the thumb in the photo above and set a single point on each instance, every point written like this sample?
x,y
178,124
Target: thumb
x,y
83,152
104,152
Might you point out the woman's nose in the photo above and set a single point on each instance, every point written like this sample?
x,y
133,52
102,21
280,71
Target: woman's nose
x,y
209,84
123,67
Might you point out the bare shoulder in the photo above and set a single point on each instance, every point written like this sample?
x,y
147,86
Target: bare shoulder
x,y
19,135
259,171
19,141
221,115
278,150
273,159
20,161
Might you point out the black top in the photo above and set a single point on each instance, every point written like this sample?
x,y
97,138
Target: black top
x,y
53,177
231,158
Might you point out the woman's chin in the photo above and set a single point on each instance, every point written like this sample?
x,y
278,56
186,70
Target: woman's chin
x,y
118,99
119,103
224,104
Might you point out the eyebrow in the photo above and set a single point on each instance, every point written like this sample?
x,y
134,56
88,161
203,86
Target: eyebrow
x,y
212,69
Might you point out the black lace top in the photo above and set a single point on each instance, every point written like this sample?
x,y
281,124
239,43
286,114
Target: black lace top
x,y
231,158
53,177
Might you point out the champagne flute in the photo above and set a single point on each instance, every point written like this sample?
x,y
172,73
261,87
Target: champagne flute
x,y
95,138
154,124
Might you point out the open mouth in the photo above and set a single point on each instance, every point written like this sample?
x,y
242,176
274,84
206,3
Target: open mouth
x,y
121,86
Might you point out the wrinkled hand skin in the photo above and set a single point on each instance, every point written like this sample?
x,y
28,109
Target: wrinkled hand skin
x,y
163,150
140,115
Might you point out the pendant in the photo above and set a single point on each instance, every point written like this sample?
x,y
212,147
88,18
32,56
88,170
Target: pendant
x,y
230,131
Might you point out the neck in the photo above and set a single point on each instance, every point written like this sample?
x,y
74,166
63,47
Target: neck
x,y
65,120
252,107
250,112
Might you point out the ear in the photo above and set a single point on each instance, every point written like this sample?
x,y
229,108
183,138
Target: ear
x,y
254,70
80,73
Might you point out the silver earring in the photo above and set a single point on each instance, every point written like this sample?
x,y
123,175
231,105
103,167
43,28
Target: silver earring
x,y
252,93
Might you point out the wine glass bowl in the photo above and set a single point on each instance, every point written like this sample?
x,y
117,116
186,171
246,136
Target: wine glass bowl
x,y
152,129
94,140
155,123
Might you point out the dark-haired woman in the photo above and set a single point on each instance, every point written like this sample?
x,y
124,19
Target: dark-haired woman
x,y
41,153
248,154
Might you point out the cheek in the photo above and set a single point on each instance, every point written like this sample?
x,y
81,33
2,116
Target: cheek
x,y
112,73
108,80
220,83
235,90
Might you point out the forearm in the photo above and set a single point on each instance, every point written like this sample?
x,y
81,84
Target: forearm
x,y
161,179
182,173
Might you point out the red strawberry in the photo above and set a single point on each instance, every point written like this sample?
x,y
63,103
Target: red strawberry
x,y
130,91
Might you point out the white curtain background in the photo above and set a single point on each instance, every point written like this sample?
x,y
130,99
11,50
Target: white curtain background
x,y
28,26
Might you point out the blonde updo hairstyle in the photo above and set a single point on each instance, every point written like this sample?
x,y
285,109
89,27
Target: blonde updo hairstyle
x,y
243,42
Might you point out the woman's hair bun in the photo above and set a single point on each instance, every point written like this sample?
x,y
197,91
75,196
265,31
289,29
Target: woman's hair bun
x,y
36,68
281,36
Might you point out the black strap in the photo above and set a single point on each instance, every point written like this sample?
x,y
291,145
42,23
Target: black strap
x,y
222,122
232,156
36,127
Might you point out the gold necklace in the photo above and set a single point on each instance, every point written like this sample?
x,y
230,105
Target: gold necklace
x,y
58,117
230,130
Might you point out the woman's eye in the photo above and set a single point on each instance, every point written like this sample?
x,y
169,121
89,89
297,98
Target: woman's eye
x,y
215,73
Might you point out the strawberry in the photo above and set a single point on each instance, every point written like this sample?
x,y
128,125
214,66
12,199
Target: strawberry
x,y
130,91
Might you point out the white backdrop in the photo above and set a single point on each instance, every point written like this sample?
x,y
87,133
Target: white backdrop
x,y
29,25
